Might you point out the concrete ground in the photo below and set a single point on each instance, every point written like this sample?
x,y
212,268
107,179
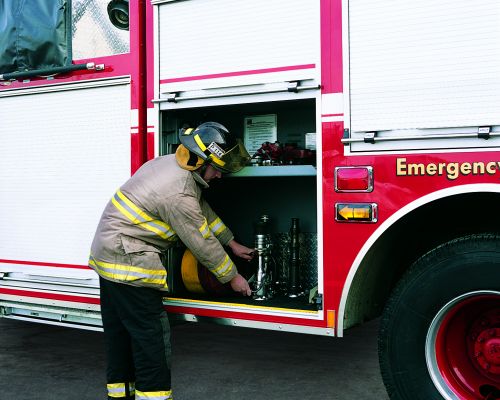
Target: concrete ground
x,y
209,362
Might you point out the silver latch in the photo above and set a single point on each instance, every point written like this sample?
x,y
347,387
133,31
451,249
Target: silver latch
x,y
172,97
483,132
369,137
5,310
293,87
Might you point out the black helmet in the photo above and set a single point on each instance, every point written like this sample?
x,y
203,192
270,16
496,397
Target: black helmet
x,y
213,143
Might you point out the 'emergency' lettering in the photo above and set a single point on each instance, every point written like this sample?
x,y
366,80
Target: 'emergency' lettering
x,y
451,170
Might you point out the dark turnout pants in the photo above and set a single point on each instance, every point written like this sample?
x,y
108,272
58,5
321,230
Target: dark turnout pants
x,y
137,338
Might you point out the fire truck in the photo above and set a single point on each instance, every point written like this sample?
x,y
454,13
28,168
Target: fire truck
x,y
373,190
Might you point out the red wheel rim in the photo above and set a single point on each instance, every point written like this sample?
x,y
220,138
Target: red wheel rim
x,y
463,347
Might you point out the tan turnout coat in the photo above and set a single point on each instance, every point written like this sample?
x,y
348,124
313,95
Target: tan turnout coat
x,y
160,204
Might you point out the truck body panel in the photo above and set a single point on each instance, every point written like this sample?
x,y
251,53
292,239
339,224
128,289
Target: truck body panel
x,y
406,93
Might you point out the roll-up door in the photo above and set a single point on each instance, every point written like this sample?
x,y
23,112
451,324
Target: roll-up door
x,y
64,151
423,65
231,45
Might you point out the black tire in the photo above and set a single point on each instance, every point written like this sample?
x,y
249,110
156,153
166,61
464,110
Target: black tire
x,y
469,265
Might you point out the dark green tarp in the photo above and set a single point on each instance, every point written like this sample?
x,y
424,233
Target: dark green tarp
x,y
34,34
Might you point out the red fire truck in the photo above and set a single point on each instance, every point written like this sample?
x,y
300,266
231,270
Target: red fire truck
x,y
374,126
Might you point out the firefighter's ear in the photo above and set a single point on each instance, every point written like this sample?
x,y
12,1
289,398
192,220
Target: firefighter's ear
x,y
187,159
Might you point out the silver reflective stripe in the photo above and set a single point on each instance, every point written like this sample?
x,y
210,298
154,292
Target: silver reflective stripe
x,y
162,395
128,273
204,230
217,227
116,390
224,269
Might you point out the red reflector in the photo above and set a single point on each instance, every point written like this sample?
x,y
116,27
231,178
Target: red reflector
x,y
353,179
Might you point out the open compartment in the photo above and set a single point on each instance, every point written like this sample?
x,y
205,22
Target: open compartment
x,y
279,183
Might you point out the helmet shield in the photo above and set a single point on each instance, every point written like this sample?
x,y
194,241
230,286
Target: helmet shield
x,y
233,160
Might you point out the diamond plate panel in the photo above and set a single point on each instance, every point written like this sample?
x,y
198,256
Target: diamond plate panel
x,y
308,254
93,33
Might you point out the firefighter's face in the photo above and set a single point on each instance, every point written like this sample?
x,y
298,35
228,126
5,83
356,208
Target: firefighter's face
x,y
211,173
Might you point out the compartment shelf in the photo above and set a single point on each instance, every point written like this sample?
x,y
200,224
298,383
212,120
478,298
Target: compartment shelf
x,y
275,170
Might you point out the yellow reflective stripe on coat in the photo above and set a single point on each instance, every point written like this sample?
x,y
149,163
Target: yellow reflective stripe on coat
x,y
161,395
128,273
224,268
204,230
141,218
217,227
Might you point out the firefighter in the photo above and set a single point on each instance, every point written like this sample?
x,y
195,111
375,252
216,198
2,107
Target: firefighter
x,y
160,204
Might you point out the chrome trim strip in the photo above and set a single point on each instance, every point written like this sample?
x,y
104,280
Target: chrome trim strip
x,y
42,302
257,325
244,308
421,137
159,2
55,283
172,98
59,87
49,322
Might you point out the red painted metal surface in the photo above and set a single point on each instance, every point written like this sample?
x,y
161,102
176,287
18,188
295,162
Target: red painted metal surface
x,y
331,46
139,81
44,264
116,65
391,192
245,316
349,237
149,79
238,73
50,296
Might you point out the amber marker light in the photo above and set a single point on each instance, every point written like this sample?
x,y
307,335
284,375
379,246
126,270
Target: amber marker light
x,y
353,179
356,212
330,318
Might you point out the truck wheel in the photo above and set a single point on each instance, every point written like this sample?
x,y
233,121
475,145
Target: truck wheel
x,y
440,331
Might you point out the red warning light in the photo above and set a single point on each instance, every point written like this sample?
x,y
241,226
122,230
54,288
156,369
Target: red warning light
x,y
354,179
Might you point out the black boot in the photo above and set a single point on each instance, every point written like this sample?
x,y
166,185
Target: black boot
x,y
122,398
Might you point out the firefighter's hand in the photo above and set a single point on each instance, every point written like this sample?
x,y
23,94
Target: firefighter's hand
x,y
241,251
240,285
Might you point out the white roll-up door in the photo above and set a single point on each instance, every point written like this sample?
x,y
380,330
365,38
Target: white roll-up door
x,y
424,64
215,43
63,154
